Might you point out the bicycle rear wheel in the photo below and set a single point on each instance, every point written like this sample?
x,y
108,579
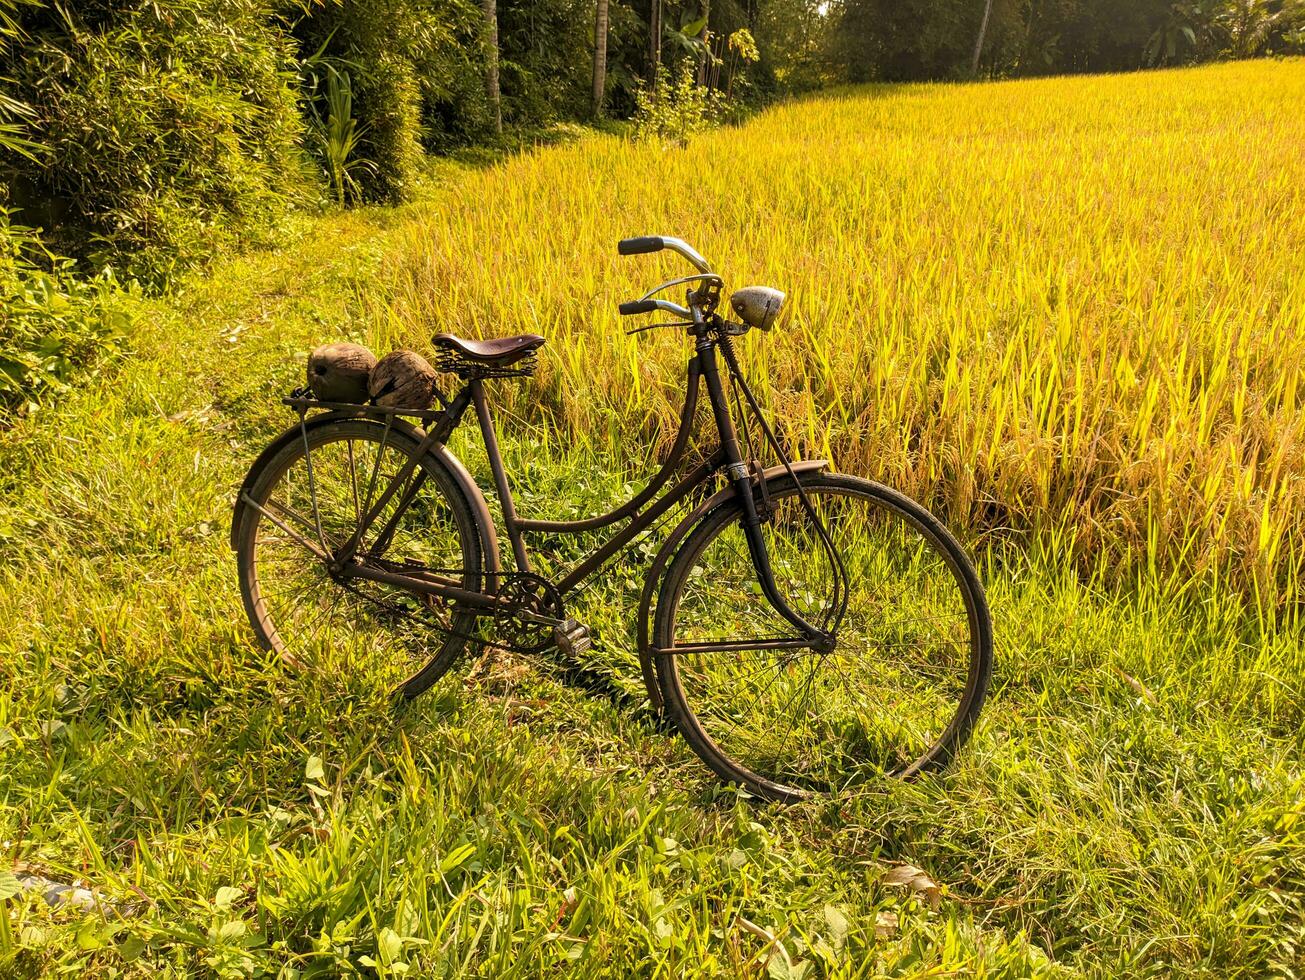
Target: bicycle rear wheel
x,y
327,479
905,682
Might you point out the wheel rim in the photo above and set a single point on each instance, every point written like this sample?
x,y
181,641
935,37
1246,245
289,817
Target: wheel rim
x,y
311,617
890,697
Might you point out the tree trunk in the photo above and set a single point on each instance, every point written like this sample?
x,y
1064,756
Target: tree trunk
x,y
490,9
705,59
600,56
978,41
654,42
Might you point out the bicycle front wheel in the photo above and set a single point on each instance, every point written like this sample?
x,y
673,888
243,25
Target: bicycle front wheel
x,y
901,689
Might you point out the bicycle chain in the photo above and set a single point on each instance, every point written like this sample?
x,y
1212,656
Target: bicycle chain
x,y
511,612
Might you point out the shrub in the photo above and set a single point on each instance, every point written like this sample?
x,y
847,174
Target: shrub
x,y
375,41
170,128
546,59
336,134
393,103
450,67
677,110
54,326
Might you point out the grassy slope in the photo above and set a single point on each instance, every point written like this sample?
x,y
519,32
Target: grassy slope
x,y
1132,802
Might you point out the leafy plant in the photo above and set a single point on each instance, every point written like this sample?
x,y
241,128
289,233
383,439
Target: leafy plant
x,y
677,110
55,327
170,130
1185,29
338,135
742,47
14,114
1249,26
377,41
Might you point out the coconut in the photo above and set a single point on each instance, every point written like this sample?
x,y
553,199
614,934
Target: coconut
x,y
339,372
402,379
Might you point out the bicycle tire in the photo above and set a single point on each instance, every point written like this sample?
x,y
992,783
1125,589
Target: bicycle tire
x,y
273,474
703,730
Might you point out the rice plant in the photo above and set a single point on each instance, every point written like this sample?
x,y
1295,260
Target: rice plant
x,y
1072,304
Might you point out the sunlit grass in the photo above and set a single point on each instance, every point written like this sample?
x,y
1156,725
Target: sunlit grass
x,y
1132,803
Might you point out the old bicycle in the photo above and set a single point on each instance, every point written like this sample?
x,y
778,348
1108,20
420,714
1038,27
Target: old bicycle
x,y
803,629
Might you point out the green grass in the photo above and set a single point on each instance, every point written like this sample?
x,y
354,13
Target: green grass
x,y
1132,803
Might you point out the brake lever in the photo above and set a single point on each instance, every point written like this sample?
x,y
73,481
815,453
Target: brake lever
x,y
710,277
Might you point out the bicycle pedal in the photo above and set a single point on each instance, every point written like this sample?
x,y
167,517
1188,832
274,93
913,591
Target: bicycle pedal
x,y
572,637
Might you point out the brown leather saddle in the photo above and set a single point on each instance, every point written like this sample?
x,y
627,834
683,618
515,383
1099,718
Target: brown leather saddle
x,y
498,352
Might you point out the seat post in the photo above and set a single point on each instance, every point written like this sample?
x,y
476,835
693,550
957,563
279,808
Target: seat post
x,y
509,509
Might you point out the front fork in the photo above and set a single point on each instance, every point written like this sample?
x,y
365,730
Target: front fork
x,y
741,480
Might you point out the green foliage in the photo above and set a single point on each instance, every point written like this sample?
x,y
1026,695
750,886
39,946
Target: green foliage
x,y
1181,34
795,39
1253,27
14,115
392,96
169,129
678,110
922,39
337,136
403,56
55,328
545,58
895,40
455,111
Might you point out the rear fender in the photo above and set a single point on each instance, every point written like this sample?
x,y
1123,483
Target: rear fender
x,y
672,544
479,506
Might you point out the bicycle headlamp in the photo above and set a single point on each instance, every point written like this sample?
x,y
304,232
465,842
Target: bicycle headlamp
x,y
757,306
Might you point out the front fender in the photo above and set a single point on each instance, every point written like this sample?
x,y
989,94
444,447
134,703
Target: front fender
x,y
667,551
479,506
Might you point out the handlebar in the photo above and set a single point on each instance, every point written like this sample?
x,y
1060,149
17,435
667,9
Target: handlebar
x,y
655,243
640,246
637,306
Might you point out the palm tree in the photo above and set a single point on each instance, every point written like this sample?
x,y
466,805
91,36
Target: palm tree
x,y
654,42
978,41
1249,24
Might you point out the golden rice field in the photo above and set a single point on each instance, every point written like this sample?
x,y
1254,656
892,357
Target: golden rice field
x,y
1072,307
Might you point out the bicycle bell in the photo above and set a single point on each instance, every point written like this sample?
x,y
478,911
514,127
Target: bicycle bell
x,y
757,306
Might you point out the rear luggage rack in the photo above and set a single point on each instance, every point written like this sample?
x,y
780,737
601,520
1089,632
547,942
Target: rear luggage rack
x,y
302,401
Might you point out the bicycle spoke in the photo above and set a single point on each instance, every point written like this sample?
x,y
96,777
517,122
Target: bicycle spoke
x,y
333,485
879,699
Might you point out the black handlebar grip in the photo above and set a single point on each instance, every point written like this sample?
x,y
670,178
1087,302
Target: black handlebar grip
x,y
637,306
638,246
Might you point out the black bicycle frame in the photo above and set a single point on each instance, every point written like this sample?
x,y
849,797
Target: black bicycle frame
x,y
642,511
